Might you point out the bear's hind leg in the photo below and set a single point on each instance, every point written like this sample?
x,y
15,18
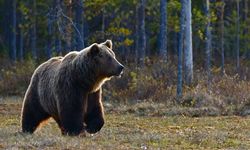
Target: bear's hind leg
x,y
32,115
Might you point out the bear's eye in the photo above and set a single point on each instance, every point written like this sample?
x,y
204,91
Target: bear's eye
x,y
101,55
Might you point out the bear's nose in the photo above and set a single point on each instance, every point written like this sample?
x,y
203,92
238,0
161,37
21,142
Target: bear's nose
x,y
121,67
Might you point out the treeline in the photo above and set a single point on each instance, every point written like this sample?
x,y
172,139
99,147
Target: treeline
x,y
44,28
206,32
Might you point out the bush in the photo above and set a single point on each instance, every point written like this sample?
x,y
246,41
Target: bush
x,y
15,77
155,83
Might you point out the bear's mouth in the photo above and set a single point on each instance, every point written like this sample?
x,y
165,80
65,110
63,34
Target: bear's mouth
x,y
120,74
120,71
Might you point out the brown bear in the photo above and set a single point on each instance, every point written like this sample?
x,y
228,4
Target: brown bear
x,y
69,89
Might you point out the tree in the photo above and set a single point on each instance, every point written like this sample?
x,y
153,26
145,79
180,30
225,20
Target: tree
x,y
145,30
58,40
180,49
13,30
188,47
49,24
141,32
33,32
68,28
103,21
6,23
245,30
238,37
79,24
136,33
222,38
20,34
163,29
208,39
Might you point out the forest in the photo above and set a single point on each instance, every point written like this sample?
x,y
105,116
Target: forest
x,y
186,70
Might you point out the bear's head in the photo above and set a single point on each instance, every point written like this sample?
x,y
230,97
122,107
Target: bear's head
x,y
104,59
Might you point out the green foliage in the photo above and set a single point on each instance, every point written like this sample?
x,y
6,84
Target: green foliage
x,y
133,82
120,23
3,50
173,9
119,31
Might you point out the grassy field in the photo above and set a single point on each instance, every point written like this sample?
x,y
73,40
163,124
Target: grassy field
x,y
130,131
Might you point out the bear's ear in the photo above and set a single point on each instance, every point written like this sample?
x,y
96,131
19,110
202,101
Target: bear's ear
x,y
94,49
108,43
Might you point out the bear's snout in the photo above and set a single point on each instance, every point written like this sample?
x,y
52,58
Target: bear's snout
x,y
120,69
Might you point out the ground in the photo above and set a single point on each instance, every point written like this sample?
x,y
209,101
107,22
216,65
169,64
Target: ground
x,y
130,131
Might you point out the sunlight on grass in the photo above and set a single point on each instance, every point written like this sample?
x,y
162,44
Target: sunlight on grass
x,y
135,132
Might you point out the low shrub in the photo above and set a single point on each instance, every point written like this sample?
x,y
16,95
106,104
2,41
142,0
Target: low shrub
x,y
155,83
15,77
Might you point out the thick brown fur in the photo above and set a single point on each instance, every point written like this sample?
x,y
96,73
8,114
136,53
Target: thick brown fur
x,y
68,89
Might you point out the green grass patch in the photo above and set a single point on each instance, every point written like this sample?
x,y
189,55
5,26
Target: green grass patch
x,y
132,131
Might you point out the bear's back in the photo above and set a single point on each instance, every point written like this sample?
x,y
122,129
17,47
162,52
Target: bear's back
x,y
50,68
69,57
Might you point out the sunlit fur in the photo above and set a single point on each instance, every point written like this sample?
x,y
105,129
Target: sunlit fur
x,y
69,90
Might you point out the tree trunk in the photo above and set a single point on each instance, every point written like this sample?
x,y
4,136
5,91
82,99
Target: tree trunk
x,y
13,31
6,26
20,51
79,21
20,35
188,48
83,26
136,33
245,31
33,32
246,10
163,29
69,27
103,22
208,40
222,39
58,46
58,41
238,37
141,32
49,41
175,43
180,50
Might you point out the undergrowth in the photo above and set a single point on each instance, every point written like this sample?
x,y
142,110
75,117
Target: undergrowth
x,y
154,86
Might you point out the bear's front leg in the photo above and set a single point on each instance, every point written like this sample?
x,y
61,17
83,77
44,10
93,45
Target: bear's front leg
x,y
72,116
94,117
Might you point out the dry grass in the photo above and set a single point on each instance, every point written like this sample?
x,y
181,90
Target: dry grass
x,y
130,131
